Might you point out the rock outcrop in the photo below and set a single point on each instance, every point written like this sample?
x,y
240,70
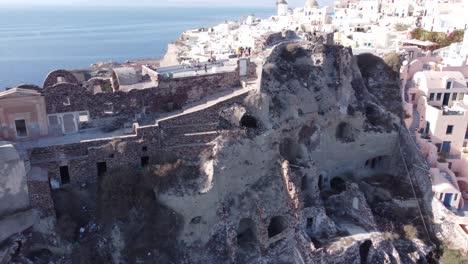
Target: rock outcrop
x,y
289,192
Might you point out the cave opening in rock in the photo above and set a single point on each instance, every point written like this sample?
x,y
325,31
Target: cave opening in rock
x,y
344,132
248,121
277,225
320,181
246,234
338,184
364,251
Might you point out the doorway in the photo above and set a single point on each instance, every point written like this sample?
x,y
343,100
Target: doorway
x,y
69,124
446,146
448,200
144,161
446,99
64,175
101,168
428,128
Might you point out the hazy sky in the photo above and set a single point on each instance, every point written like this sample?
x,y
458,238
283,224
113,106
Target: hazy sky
x,y
293,3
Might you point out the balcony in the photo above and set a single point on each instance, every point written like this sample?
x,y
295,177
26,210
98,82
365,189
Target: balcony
x,y
449,112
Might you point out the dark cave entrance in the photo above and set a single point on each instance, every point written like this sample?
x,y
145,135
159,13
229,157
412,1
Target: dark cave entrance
x,y
364,249
277,225
338,184
248,121
101,169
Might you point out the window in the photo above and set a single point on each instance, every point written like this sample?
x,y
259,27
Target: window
x,y
439,146
449,130
465,144
145,148
53,120
21,130
439,96
454,96
67,101
83,117
60,79
461,96
449,85
431,97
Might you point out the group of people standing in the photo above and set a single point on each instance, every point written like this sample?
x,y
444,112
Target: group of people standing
x,y
241,51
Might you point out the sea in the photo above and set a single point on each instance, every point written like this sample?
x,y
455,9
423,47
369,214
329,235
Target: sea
x,y
35,41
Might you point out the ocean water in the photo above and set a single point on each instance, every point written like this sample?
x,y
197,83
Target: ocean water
x,y
36,41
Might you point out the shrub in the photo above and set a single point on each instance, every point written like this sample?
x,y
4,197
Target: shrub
x,y
411,232
393,60
450,256
402,27
106,87
440,38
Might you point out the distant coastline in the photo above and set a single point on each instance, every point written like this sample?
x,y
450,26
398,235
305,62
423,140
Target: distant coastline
x,y
60,38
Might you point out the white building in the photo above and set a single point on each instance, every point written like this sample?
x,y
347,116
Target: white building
x,y
283,8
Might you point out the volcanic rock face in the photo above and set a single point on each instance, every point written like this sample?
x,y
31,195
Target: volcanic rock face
x,y
290,191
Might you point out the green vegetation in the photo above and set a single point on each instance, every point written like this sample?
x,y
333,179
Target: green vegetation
x,y
442,157
402,27
107,87
393,60
411,232
442,39
450,256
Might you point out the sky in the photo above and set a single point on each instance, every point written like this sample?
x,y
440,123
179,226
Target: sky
x,y
240,3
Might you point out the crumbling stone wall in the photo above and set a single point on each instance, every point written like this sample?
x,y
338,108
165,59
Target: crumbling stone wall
x,y
183,137
40,197
169,96
52,80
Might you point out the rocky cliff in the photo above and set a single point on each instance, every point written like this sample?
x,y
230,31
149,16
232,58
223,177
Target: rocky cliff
x,y
318,177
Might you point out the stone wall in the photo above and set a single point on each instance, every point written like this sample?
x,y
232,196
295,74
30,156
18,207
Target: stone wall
x,y
39,192
52,80
181,137
13,187
170,95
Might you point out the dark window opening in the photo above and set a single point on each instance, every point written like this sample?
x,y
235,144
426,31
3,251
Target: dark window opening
x,y
449,85
112,155
310,223
367,163
277,225
439,96
248,121
145,148
144,161
101,168
438,146
431,97
373,163
454,96
21,130
64,175
449,130
320,181
338,184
